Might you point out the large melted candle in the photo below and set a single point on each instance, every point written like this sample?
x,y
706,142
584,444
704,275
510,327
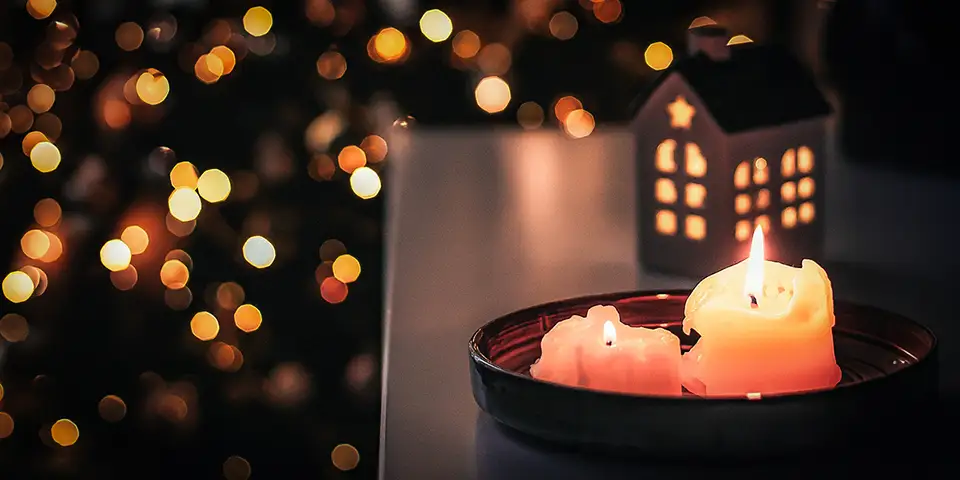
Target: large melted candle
x,y
600,352
765,328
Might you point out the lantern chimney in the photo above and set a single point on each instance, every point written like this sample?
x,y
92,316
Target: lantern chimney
x,y
711,40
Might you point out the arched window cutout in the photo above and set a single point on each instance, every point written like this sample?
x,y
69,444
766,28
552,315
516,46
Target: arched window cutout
x,y
807,212
681,113
695,227
666,222
741,204
788,164
695,195
741,176
760,172
743,230
763,199
788,192
665,191
805,187
696,164
789,217
804,159
665,161
763,222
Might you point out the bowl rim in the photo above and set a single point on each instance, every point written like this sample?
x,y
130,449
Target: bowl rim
x,y
478,357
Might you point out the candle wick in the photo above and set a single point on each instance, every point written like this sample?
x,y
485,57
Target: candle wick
x,y
753,301
609,343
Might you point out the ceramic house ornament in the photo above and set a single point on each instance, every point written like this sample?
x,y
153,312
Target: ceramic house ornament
x,y
728,138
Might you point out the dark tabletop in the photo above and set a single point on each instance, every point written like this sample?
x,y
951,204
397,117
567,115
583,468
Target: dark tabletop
x,y
484,223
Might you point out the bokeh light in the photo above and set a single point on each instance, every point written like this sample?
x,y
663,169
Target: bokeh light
x,y
34,244
375,148
125,279
658,56
492,94
333,291
174,274
184,175
436,25
345,457
45,157
31,140
136,238
390,45
112,408
6,425
247,318
227,57
236,468
365,183
331,249
40,98
257,21
351,158
579,123
331,65
214,185
563,25
608,11
13,328
115,255
18,286
152,87
530,115
41,9
129,36
64,432
184,204
466,44
259,252
346,268
204,326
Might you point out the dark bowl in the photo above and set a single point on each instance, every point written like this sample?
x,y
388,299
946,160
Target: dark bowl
x,y
886,395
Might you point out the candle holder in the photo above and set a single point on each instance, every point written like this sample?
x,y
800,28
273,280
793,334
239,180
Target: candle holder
x,y
885,396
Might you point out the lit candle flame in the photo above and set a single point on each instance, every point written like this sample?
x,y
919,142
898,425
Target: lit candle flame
x,y
609,333
753,284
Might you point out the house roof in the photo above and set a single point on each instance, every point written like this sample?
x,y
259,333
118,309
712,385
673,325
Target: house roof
x,y
758,86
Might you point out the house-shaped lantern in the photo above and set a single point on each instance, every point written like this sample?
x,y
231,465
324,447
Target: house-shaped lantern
x,y
729,138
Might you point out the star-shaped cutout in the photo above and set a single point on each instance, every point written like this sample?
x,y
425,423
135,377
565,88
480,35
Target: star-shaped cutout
x,y
681,113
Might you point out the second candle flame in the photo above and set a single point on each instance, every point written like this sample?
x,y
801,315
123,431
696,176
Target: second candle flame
x,y
609,333
753,284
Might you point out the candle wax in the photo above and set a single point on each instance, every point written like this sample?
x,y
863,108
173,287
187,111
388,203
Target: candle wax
x,y
780,343
601,353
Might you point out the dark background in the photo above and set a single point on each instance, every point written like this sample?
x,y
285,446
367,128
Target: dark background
x,y
878,60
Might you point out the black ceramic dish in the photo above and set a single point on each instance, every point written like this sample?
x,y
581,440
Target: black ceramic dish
x,y
886,394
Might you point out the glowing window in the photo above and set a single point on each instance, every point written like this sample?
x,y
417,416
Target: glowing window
x,y
743,230
788,192
666,222
804,160
695,227
665,161
665,191
741,176
789,217
760,172
807,212
805,187
696,195
763,199
763,222
742,203
696,164
788,166
681,113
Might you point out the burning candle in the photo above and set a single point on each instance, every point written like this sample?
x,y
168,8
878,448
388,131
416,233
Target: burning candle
x,y
764,328
602,353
